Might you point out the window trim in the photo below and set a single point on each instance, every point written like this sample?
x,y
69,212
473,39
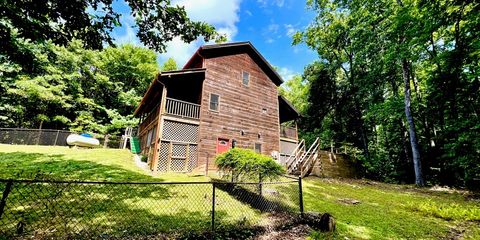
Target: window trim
x,y
210,102
248,81
255,147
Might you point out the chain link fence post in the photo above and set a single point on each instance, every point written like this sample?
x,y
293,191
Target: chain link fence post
x,y
3,202
300,195
14,136
213,210
56,138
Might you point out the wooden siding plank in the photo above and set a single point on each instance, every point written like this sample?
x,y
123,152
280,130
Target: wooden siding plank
x,y
240,106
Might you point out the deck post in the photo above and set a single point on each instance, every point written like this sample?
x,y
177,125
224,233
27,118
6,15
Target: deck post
x,y
158,135
187,157
169,158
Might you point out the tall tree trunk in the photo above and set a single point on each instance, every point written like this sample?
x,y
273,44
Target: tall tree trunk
x,y
417,164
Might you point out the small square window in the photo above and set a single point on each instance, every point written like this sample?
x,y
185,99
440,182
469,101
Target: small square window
x,y
245,78
214,101
258,147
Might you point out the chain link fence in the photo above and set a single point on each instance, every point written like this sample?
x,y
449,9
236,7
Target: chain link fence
x,y
42,209
49,137
21,136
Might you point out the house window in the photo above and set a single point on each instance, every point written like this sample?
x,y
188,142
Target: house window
x,y
258,147
149,137
245,78
214,102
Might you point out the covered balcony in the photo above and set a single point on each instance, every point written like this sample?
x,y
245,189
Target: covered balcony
x,y
182,109
173,93
288,120
289,132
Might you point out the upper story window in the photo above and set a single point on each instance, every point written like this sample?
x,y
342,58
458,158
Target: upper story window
x,y
245,78
214,101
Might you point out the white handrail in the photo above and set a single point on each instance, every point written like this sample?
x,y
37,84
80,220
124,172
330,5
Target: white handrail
x,y
294,154
310,162
308,152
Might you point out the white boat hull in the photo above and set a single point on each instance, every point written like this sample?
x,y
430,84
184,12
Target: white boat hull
x,y
81,141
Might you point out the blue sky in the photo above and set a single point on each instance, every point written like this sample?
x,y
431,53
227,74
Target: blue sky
x,y
268,24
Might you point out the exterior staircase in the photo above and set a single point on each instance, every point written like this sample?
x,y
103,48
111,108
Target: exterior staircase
x,y
302,161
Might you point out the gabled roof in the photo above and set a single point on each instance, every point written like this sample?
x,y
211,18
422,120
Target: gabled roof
x,y
225,49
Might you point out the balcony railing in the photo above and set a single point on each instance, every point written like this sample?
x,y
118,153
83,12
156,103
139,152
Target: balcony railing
x,y
182,109
288,132
149,118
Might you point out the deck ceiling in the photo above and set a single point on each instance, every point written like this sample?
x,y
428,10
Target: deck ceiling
x,y
287,110
186,80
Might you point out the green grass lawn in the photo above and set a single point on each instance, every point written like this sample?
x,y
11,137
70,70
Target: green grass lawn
x,y
22,161
388,211
385,211
111,209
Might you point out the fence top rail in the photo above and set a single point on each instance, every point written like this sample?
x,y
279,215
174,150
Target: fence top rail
x,y
286,176
33,129
130,183
95,182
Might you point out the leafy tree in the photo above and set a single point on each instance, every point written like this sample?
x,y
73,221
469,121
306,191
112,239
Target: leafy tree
x,y
133,67
380,52
80,89
296,90
169,65
92,22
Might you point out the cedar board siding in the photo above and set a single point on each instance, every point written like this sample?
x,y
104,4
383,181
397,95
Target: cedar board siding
x,y
240,107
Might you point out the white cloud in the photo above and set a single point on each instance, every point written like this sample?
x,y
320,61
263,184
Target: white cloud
x,y
130,35
224,15
270,33
265,3
290,30
273,28
248,13
179,50
286,73
279,3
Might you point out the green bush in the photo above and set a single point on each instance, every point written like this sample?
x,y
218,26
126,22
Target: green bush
x,y
246,164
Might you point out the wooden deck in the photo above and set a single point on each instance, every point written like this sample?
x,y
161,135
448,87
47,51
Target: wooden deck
x,y
182,109
288,132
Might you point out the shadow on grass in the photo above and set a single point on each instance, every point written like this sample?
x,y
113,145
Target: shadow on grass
x,y
43,210
21,165
66,210
75,210
275,201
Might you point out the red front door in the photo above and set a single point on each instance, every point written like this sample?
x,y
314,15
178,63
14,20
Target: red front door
x,y
223,145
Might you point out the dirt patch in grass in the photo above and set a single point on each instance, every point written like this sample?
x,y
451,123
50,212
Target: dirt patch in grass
x,y
284,226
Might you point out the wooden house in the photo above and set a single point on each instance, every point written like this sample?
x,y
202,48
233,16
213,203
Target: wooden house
x,y
226,95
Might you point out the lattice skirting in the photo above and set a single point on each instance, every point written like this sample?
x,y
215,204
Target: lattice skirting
x,y
178,147
180,132
177,157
